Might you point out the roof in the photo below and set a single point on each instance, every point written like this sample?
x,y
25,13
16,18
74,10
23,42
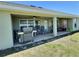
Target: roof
x,y
14,8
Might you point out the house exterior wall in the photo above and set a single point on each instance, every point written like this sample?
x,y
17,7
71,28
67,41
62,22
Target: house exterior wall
x,y
69,25
73,24
6,40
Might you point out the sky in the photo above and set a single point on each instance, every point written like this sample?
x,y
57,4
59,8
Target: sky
x,y
71,7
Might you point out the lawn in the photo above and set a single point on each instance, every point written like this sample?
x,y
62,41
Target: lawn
x,y
66,46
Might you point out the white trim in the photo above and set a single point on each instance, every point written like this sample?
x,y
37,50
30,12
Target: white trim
x,y
34,22
23,24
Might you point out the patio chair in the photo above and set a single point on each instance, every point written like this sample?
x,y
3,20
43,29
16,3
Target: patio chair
x,y
37,28
42,30
15,36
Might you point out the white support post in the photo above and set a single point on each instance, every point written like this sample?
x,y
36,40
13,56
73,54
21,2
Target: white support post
x,y
34,22
27,24
45,25
55,26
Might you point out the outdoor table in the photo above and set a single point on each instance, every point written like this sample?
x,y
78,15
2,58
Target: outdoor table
x,y
21,37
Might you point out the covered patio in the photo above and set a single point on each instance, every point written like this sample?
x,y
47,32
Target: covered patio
x,y
46,27
38,38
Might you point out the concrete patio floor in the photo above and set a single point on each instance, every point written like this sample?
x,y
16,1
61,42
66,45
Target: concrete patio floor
x,y
38,38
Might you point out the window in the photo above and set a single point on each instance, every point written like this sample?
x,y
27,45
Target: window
x,y
27,23
30,23
23,21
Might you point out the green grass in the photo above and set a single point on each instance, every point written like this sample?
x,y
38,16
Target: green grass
x,y
67,46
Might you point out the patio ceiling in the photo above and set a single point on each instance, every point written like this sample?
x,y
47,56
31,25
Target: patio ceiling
x,y
34,11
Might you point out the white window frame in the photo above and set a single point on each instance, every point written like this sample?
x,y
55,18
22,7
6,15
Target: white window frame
x,y
26,23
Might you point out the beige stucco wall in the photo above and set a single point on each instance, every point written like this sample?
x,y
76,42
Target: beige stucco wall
x,y
69,25
6,40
